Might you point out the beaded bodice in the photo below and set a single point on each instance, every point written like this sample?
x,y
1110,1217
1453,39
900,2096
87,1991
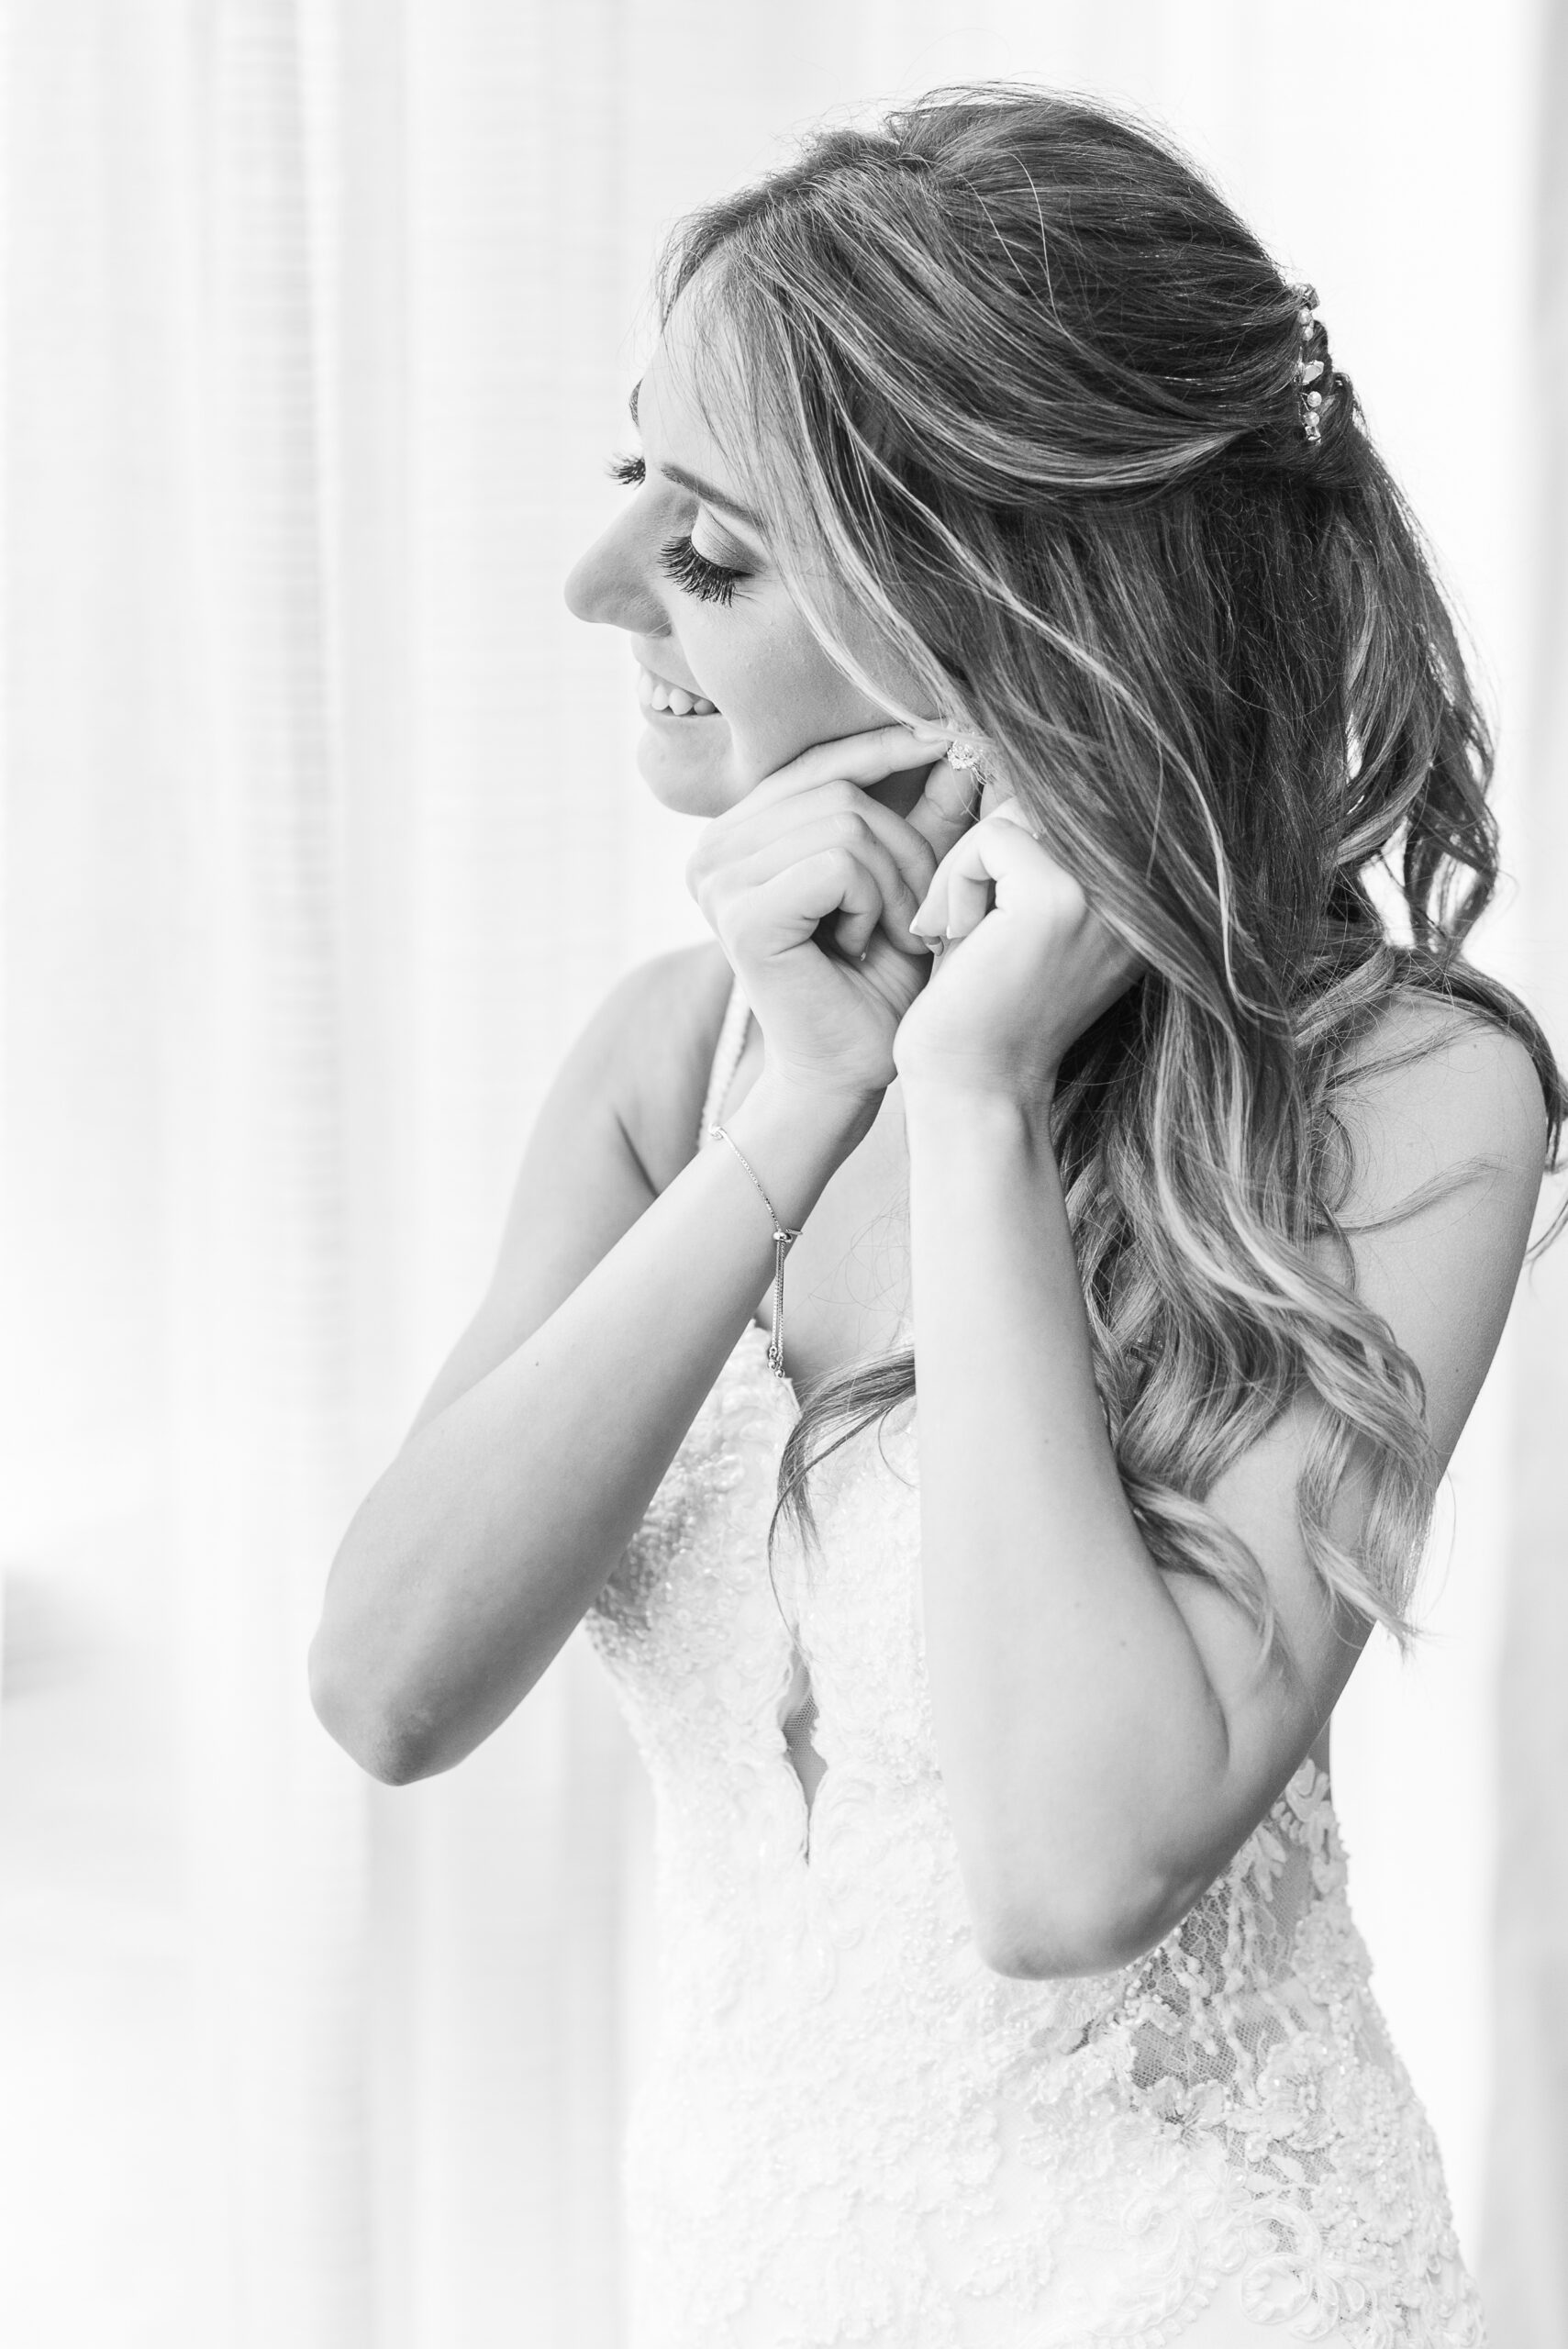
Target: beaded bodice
x,y
855,2130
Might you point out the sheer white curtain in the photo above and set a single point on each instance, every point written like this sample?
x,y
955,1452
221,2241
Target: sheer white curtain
x,y
321,836
1527,2199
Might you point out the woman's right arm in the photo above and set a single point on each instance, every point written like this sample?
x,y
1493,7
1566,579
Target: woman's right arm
x,y
540,1445
615,1302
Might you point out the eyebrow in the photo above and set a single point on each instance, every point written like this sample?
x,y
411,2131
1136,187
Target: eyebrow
x,y
704,490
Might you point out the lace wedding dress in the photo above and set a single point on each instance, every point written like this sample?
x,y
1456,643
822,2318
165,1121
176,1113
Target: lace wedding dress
x,y
853,2130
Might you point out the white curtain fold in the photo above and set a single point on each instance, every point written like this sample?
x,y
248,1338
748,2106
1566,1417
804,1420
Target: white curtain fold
x,y
262,1348
319,838
1525,2262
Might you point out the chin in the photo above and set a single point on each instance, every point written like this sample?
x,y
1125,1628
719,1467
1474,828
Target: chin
x,y
694,778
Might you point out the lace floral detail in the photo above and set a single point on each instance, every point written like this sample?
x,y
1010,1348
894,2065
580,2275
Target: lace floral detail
x,y
854,2131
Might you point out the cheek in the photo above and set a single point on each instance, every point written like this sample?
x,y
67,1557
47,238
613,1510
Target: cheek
x,y
779,692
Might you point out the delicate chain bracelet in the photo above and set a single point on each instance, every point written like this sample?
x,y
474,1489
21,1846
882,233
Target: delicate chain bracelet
x,y
781,1240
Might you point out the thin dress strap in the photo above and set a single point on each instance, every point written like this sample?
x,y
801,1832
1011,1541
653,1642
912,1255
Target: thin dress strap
x,y
726,1058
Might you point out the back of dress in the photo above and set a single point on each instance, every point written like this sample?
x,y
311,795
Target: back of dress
x,y
855,2130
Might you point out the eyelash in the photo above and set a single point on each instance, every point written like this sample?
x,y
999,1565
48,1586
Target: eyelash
x,y
710,583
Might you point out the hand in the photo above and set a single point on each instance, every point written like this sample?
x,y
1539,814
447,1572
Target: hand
x,y
808,883
1016,980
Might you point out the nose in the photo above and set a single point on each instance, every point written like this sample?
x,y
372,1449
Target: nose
x,y
609,582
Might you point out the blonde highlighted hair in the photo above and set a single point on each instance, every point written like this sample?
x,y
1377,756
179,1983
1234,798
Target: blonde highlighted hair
x,y
1004,372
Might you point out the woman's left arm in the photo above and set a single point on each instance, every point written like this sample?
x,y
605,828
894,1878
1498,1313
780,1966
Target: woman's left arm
x,y
1106,1734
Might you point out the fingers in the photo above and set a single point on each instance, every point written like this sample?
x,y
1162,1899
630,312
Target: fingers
x,y
784,912
848,767
854,836
946,808
752,843
911,855
821,805
968,902
855,758
1002,846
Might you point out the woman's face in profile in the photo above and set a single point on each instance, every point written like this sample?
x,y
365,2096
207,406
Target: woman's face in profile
x,y
716,621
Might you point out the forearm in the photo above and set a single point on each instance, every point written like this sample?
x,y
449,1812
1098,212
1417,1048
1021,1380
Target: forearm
x,y
473,1556
1072,1708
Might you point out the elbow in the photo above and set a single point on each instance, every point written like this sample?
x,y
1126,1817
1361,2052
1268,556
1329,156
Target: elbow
x,y
388,1747
1105,1928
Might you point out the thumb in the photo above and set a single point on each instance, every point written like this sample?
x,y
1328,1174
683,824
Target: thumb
x,y
947,807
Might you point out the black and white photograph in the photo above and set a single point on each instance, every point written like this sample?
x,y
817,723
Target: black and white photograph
x,y
783,1239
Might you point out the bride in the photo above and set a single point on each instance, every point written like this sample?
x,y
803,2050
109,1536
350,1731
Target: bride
x,y
1016,592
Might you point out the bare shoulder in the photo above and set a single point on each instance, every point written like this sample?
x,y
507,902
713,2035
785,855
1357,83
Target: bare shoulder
x,y
667,1015
1437,1094
1447,1127
615,1127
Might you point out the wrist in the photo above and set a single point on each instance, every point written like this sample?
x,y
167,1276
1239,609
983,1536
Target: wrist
x,y
821,1110
798,1138
941,1108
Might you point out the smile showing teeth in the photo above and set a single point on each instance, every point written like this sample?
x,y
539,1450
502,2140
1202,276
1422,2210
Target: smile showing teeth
x,y
671,701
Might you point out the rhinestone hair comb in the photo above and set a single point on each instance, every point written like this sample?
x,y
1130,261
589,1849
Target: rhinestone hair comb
x,y
1310,372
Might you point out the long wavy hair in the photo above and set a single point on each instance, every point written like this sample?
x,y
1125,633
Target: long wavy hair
x,y
1008,377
